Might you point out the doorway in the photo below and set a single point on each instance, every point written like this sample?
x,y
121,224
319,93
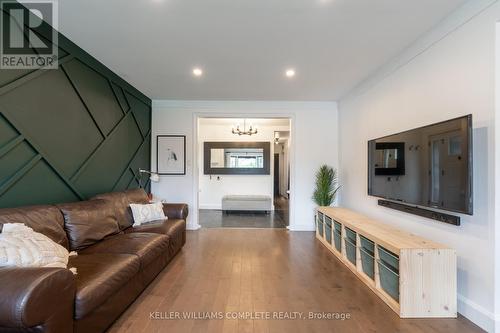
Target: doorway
x,y
281,175
259,199
276,175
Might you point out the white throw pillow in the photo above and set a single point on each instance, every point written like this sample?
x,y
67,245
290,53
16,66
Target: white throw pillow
x,y
20,246
147,213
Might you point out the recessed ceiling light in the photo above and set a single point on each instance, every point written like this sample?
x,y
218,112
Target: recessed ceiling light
x,y
197,71
290,72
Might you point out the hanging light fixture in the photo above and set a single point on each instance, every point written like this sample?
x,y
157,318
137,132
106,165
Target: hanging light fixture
x,y
251,130
276,138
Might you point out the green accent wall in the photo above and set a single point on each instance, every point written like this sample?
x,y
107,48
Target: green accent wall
x,y
70,133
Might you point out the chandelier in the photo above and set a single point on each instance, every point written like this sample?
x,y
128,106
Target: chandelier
x,y
238,131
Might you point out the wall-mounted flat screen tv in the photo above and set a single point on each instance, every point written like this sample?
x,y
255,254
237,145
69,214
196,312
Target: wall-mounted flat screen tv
x,y
430,166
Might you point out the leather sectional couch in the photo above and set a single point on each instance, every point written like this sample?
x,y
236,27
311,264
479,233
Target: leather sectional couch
x,y
115,263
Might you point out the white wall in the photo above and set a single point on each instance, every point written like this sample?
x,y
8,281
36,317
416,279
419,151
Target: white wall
x,y
212,189
314,136
497,176
453,76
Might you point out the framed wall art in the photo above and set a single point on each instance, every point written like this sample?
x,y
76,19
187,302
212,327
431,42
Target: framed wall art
x,y
171,154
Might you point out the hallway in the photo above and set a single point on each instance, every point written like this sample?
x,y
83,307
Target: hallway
x,y
279,218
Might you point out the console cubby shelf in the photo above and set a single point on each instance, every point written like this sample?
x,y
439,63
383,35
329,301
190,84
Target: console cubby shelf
x,y
415,277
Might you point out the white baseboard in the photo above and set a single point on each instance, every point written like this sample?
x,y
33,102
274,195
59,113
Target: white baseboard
x,y
301,227
191,226
477,314
209,206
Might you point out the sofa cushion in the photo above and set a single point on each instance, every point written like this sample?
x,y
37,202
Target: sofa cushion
x,y
137,195
146,246
87,222
120,204
46,220
175,229
99,277
144,213
168,227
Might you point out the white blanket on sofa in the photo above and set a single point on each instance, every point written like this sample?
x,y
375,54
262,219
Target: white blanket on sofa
x,y
20,246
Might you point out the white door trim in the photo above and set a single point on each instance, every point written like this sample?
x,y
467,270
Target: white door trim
x,y
196,162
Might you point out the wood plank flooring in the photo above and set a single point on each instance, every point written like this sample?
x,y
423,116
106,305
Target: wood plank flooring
x,y
264,270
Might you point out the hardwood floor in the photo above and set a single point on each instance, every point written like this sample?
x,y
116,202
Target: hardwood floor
x,y
281,208
256,270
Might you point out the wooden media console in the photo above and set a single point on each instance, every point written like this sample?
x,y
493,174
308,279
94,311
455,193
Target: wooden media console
x,y
416,277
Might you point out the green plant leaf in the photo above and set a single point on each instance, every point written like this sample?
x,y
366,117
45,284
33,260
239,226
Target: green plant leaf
x,y
326,186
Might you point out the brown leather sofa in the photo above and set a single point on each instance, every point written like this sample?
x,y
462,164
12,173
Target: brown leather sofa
x,y
115,263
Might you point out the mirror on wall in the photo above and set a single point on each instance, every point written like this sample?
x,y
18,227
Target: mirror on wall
x,y
247,158
239,158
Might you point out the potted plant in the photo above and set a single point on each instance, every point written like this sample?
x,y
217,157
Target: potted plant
x,y
326,186
324,195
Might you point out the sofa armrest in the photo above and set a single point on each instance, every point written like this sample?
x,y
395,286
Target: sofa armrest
x,y
176,210
37,299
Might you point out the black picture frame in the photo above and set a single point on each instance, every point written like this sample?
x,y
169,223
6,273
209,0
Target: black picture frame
x,y
159,168
265,170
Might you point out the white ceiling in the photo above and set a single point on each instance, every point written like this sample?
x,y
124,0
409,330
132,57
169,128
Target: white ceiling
x,y
244,46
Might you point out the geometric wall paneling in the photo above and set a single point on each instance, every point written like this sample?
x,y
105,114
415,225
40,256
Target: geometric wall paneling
x,y
135,180
61,53
41,32
108,163
70,133
49,111
130,176
7,132
125,180
14,160
133,184
96,93
120,96
141,112
75,51
13,74
40,185
142,153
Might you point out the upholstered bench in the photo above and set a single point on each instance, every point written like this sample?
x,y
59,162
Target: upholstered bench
x,y
262,203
